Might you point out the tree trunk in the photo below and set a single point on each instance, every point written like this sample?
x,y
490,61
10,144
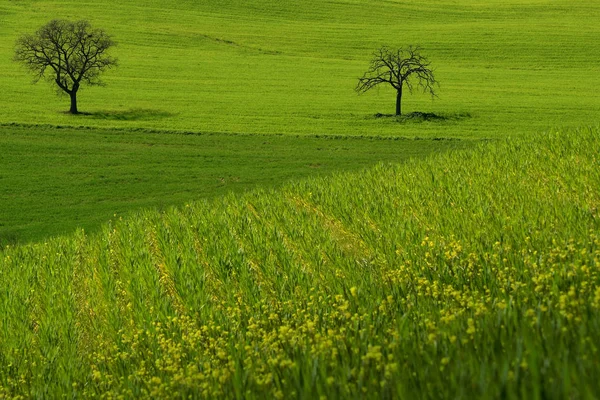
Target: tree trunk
x,y
73,109
73,96
399,102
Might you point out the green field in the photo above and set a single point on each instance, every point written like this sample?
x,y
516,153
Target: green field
x,y
229,219
56,180
263,66
474,274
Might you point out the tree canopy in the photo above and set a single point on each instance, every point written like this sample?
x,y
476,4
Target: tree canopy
x,y
399,68
67,53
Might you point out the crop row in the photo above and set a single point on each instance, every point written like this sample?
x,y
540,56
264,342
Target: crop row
x,y
473,273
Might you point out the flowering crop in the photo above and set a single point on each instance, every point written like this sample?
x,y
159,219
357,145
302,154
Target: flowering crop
x,y
475,273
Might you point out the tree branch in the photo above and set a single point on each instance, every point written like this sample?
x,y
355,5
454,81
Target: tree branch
x,y
73,50
399,68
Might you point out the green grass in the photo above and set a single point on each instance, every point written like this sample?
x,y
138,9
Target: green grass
x,y
263,67
472,274
464,274
271,68
268,67
53,181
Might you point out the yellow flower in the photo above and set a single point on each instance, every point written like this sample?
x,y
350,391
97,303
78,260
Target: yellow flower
x,y
471,326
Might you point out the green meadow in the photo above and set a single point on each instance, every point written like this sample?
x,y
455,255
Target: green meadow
x,y
263,66
227,218
56,180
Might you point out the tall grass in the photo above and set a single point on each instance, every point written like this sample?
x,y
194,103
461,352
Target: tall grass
x,y
474,273
55,180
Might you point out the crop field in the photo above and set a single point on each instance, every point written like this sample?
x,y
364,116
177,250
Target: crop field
x,y
395,281
228,218
56,180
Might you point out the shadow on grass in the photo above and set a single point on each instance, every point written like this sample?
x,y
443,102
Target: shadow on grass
x,y
418,116
129,115
8,239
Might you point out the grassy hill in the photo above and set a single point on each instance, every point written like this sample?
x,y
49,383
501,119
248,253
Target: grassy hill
x,y
53,181
248,67
272,67
470,274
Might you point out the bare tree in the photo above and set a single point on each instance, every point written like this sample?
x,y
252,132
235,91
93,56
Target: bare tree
x,y
399,68
67,53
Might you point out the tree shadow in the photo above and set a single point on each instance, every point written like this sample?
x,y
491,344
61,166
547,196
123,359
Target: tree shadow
x,y
130,115
418,116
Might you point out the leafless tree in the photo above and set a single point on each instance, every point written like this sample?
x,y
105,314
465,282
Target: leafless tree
x,y
67,53
399,68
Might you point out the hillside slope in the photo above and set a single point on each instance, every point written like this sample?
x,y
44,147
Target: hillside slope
x,y
53,181
290,67
472,274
